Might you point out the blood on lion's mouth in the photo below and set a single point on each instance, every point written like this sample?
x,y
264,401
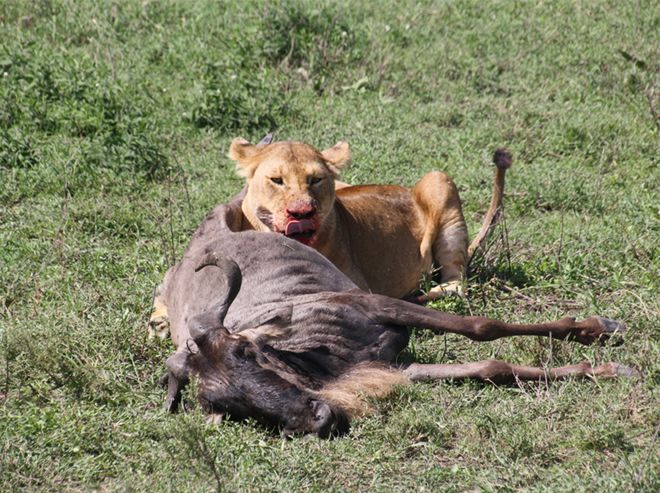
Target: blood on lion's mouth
x,y
302,230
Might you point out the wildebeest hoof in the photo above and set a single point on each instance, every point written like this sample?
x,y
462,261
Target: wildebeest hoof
x,y
159,327
613,370
612,330
598,329
611,326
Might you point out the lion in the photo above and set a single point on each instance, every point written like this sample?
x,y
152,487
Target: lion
x,y
385,238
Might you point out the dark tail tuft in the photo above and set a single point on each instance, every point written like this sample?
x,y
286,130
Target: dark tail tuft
x,y
502,158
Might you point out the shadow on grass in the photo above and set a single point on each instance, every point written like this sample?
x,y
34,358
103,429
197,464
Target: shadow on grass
x,y
517,275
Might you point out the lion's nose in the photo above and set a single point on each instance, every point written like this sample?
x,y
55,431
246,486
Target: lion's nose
x,y
301,210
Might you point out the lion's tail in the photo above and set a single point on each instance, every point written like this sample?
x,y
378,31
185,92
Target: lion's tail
x,y
503,160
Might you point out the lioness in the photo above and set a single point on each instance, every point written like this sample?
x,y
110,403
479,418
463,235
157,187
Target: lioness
x,y
383,237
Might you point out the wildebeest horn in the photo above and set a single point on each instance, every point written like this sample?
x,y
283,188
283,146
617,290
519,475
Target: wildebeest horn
x,y
233,278
212,319
268,138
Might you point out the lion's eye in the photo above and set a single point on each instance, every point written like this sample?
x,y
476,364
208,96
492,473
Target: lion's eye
x,y
277,181
314,180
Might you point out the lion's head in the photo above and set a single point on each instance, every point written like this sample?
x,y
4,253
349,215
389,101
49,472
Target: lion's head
x,y
291,185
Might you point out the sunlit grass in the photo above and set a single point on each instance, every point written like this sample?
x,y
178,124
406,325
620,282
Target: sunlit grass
x,y
115,118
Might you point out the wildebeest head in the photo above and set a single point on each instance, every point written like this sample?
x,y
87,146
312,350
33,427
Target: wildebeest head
x,y
237,379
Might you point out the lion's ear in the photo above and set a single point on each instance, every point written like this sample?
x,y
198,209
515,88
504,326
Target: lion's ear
x,y
241,151
337,156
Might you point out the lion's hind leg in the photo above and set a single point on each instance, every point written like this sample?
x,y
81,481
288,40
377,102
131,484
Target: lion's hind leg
x,y
445,240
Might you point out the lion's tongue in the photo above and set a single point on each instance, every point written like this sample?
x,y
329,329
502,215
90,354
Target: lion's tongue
x,y
298,227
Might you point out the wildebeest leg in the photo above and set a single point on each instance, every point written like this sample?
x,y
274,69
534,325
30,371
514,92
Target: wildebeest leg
x,y
178,376
400,312
496,371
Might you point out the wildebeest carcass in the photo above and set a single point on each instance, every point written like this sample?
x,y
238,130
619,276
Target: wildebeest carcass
x,y
273,331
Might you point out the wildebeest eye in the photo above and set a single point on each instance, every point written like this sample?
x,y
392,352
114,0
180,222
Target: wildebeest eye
x,y
277,180
314,180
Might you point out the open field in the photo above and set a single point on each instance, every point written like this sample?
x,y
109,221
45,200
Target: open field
x,y
115,118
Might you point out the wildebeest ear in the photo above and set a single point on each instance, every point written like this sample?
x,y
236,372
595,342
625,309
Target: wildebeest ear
x,y
203,326
337,156
178,375
241,151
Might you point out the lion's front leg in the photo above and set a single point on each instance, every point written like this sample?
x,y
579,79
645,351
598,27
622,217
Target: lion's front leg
x,y
159,322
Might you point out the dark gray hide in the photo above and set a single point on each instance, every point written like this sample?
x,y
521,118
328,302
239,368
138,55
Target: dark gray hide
x,y
266,322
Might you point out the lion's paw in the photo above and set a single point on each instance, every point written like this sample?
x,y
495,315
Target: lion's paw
x,y
445,289
159,326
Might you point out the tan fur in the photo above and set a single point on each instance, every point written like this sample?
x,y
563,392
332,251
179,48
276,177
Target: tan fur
x,y
352,391
384,237
297,165
159,325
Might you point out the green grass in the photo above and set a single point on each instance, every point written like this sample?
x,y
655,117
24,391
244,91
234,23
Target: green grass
x,y
115,118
